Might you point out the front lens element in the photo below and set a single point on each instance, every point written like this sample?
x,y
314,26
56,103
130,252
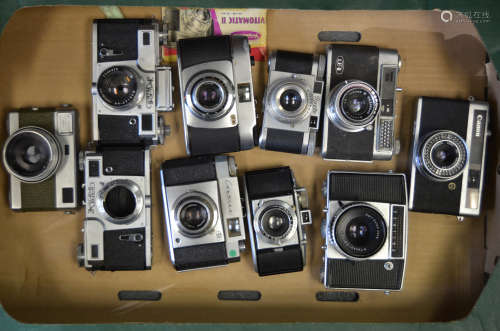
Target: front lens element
x,y
194,216
119,202
360,231
444,154
290,100
118,86
209,95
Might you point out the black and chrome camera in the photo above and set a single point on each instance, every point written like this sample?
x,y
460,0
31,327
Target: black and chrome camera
x,y
129,87
40,155
448,159
277,213
358,122
365,231
217,94
203,212
292,102
117,225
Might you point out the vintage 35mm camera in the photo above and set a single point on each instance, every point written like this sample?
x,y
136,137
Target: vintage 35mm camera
x,y
365,230
448,161
358,122
129,87
203,211
117,225
292,102
40,155
277,213
217,94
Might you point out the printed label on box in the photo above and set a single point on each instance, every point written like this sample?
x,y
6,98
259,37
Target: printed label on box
x,y
202,22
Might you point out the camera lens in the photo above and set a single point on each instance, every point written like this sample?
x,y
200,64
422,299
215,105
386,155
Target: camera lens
x,y
118,86
275,222
194,216
357,104
443,155
290,100
360,231
353,105
31,154
209,95
119,202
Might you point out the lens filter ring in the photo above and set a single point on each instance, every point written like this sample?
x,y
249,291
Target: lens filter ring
x,y
32,154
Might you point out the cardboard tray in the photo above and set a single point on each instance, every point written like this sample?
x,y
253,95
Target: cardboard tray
x,y
47,50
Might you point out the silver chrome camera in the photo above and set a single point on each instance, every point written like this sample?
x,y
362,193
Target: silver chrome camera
x,y
203,212
217,94
40,155
292,102
129,87
358,122
365,231
117,225
449,153
277,213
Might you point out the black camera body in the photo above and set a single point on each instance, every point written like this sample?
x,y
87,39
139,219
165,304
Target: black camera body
x,y
203,213
365,231
129,86
277,213
117,225
448,158
358,121
218,109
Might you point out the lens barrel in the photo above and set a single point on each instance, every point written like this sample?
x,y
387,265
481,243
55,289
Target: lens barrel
x,y
359,231
353,105
289,100
195,214
118,86
120,201
275,220
209,95
32,154
442,155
